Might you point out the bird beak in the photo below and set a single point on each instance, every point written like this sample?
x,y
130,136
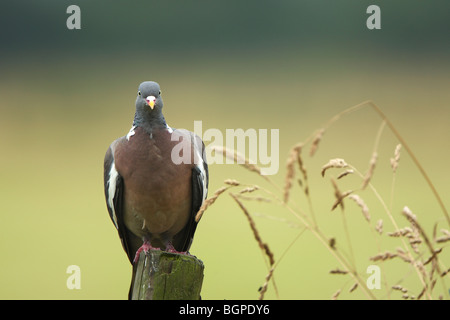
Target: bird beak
x,y
151,101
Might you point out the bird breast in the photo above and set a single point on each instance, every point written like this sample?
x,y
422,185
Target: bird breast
x,y
157,198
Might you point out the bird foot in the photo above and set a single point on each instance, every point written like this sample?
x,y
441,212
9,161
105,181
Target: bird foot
x,y
146,247
170,248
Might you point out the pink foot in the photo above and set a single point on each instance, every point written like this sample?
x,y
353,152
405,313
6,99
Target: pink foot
x,y
170,248
146,246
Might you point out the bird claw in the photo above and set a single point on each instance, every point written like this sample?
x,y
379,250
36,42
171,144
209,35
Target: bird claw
x,y
170,248
146,247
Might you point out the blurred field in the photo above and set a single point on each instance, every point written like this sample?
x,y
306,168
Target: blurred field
x,y
58,116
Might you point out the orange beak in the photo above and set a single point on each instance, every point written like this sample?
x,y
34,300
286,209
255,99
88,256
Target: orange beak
x,y
151,101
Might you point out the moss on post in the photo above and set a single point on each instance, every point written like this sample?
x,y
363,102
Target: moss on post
x,y
162,275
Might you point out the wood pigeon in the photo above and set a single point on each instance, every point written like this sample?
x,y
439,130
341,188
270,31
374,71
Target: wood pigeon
x,y
156,179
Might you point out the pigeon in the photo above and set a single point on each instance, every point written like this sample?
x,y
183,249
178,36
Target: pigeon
x,y
155,180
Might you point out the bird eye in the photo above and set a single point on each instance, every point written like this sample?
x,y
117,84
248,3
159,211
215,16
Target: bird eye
x,y
159,92
139,93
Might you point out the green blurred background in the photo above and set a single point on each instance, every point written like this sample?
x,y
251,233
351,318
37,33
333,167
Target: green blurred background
x,y
287,65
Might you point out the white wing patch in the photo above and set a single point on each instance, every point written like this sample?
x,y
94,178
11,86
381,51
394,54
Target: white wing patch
x,y
131,133
201,166
113,175
199,162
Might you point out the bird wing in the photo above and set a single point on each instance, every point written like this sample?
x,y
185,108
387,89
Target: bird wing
x,y
200,180
113,183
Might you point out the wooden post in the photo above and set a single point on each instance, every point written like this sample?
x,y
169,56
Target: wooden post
x,y
162,275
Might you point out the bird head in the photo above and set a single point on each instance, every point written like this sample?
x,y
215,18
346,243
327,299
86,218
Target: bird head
x,y
149,98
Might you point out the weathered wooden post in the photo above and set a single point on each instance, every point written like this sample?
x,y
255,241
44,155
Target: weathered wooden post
x,y
162,275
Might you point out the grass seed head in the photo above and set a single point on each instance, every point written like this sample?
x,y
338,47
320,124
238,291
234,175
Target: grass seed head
x,y
334,163
395,160
379,226
316,141
369,174
360,202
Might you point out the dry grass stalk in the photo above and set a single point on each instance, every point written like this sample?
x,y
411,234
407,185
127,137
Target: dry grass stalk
x,y
421,268
426,288
353,288
334,163
290,174
332,243
422,292
371,170
404,291
316,140
396,158
302,168
249,189
414,236
360,202
336,295
403,255
435,231
255,198
389,255
345,173
339,195
238,158
405,258
261,244
444,273
401,232
413,157
263,289
383,256
294,155
209,202
444,238
289,223
433,256
338,271
410,216
301,165
433,283
232,182
379,226
415,240
400,288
